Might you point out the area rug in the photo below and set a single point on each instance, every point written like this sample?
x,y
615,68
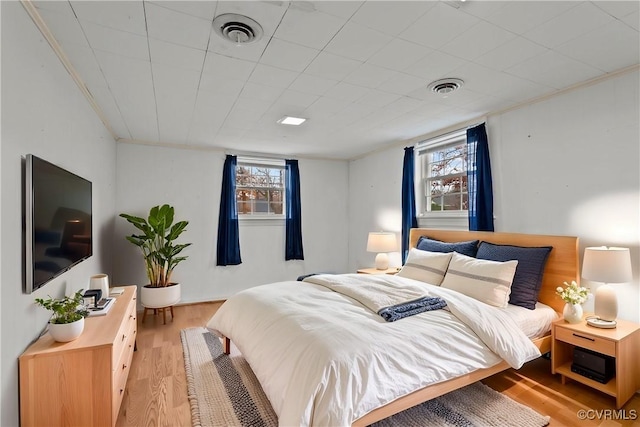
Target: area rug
x,y
223,391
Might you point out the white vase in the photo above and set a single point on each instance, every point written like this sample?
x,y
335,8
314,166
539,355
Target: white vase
x,y
65,332
160,297
572,313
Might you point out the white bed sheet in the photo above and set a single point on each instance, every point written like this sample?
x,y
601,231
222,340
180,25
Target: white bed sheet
x,y
317,372
534,323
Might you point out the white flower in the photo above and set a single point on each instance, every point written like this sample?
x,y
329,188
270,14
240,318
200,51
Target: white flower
x,y
573,294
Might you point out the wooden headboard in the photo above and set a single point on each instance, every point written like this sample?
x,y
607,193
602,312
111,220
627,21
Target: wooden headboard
x,y
562,264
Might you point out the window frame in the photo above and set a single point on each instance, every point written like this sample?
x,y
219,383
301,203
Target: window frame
x,y
457,219
266,163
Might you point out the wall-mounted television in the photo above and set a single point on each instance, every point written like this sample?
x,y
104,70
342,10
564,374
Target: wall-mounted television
x,y
58,227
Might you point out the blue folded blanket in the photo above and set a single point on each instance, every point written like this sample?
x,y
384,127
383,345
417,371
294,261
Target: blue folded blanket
x,y
406,309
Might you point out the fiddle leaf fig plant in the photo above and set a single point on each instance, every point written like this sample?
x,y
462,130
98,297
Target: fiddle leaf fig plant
x,y
157,241
65,310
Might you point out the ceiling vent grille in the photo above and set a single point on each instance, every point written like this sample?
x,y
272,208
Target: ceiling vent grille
x,y
238,29
445,86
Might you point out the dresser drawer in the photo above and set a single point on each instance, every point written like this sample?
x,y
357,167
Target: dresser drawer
x,y
120,375
586,340
125,332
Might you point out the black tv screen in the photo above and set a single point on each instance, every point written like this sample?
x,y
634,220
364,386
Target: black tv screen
x,y
58,228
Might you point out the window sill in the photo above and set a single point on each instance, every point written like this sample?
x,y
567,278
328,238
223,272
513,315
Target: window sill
x,y
259,220
444,214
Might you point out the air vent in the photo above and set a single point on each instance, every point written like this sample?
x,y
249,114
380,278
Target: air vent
x,y
238,29
445,86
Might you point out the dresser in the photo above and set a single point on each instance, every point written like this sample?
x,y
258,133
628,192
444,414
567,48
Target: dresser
x,y
81,382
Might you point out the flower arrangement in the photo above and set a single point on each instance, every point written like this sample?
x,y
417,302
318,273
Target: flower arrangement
x,y
573,294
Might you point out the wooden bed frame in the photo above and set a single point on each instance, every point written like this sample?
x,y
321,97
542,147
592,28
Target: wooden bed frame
x,y
561,266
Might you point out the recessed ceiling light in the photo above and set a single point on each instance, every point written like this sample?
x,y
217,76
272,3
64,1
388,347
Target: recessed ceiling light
x,y
294,121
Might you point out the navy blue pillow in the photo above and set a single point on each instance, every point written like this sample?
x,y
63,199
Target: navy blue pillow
x,y
528,278
465,248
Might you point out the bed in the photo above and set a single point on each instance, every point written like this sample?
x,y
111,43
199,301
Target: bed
x,y
317,372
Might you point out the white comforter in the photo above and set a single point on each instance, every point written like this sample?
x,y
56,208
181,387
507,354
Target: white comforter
x,y
324,359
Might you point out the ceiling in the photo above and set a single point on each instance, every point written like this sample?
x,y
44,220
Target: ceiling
x,y
357,70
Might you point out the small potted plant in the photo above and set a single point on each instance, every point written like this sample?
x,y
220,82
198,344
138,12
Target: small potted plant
x,y
157,242
67,322
573,296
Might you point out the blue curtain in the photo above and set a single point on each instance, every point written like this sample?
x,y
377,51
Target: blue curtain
x,y
409,220
293,214
228,252
479,180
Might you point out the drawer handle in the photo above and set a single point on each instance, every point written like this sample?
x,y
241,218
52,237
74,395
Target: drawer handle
x,y
123,337
121,390
583,337
124,366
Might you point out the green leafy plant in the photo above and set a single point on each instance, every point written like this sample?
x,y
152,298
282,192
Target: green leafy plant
x,y
65,310
157,243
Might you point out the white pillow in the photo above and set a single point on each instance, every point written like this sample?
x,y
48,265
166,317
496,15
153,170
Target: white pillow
x,y
425,266
484,280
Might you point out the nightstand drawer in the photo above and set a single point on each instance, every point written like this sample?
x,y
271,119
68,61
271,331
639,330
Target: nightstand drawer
x,y
586,340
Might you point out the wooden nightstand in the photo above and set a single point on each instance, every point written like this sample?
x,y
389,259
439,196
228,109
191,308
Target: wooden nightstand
x,y
392,270
622,343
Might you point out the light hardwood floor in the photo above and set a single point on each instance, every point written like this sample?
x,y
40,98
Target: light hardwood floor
x,y
156,393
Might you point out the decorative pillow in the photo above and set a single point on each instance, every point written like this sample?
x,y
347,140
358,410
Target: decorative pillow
x,y
486,281
428,267
528,278
465,248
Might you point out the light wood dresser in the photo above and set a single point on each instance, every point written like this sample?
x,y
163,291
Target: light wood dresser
x,y
82,382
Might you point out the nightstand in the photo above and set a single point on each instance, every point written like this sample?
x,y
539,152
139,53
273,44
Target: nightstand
x,y
622,343
392,270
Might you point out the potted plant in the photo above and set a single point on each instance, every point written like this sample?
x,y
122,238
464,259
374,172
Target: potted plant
x,y
157,241
67,322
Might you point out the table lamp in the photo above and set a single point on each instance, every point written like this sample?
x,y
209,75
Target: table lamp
x,y
381,243
606,265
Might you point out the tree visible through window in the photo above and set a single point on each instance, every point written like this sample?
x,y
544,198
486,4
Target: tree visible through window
x,y
259,189
444,175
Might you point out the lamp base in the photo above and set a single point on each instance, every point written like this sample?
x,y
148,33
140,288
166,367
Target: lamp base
x,y
599,323
382,261
606,304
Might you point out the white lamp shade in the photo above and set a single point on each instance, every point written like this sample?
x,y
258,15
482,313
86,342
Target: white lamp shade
x,y
381,242
607,265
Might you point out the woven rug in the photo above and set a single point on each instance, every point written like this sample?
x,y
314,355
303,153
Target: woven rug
x,y
223,391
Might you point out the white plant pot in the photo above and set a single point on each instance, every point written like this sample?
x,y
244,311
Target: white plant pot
x,y
65,332
160,297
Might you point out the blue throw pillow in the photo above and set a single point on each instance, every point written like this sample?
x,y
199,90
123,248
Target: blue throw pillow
x,y
528,278
465,248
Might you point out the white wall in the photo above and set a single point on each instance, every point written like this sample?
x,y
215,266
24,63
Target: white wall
x,y
375,193
190,181
43,113
567,165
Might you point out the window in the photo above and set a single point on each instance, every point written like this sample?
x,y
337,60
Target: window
x,y
443,171
260,188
